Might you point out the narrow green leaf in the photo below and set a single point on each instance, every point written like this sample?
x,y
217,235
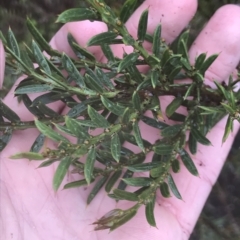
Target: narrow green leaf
x,y
177,117
47,111
75,184
136,101
165,190
184,37
113,180
8,113
40,58
49,132
175,166
37,36
26,59
38,143
48,163
127,61
192,144
75,128
142,167
171,131
112,107
122,185
157,41
153,123
72,71
228,128
93,84
127,10
155,78
36,88
107,51
97,118
77,14
189,91
228,108
96,188
137,135
173,106
135,74
116,147
174,73
183,50
124,195
149,211
61,172
200,60
142,26
89,165
188,162
210,110
138,181
163,149
199,136
207,63
173,187
104,79
105,37
28,155
12,42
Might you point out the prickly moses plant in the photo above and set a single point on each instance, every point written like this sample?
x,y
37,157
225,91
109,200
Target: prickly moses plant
x,y
107,103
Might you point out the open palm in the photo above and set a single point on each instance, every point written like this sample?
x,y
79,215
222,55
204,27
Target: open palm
x,y
29,209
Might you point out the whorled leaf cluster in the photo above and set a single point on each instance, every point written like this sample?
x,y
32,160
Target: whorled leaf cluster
x,y
114,97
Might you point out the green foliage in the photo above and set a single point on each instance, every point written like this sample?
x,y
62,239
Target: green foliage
x,y
113,97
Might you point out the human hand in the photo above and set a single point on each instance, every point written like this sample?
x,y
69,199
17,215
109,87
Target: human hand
x,y
30,210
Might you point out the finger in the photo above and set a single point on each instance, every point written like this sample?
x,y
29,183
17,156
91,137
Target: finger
x,y
219,36
173,18
223,27
2,64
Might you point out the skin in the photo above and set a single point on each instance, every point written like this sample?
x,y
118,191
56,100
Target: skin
x,y
30,209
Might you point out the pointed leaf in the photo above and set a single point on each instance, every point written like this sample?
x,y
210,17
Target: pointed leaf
x,y
61,172
192,144
200,60
40,58
49,132
149,212
96,188
142,25
138,181
93,84
153,123
47,163
188,162
155,78
208,63
105,37
75,184
142,167
173,187
157,41
77,14
28,155
97,118
107,51
113,180
36,88
112,107
89,165
128,61
171,131
104,79
116,147
127,10
37,36
229,109
137,135
38,143
12,42
8,113
124,195
136,101
228,129
72,71
200,137
173,106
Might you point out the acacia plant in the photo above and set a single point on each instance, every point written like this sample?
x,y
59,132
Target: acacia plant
x,y
113,97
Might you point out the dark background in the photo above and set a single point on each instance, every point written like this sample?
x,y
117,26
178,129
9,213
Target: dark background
x,y
220,218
